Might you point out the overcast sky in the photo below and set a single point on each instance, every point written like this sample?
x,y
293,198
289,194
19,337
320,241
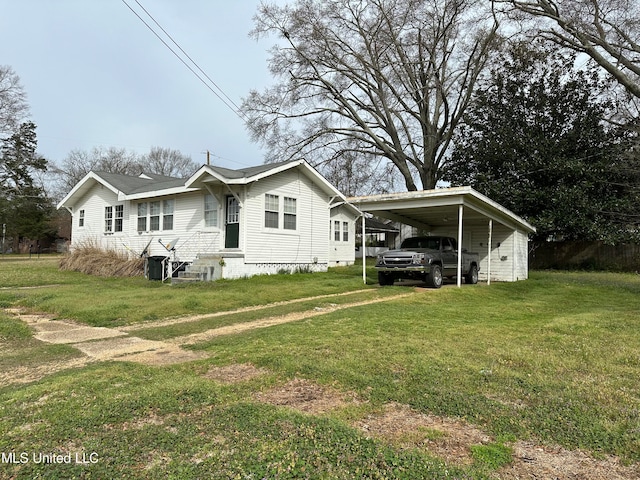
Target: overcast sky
x,y
95,75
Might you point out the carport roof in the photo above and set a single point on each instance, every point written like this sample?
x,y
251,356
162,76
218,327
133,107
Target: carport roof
x,y
430,208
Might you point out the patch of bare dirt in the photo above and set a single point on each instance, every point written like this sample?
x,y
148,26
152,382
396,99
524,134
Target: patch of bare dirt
x,y
140,423
165,355
537,462
451,440
446,438
237,372
306,396
33,373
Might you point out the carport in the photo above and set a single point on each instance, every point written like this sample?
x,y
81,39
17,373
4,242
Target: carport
x,y
481,225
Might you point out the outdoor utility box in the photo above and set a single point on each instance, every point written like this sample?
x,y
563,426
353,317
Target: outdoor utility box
x,y
155,267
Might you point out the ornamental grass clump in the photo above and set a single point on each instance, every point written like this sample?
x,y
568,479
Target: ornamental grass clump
x,y
91,259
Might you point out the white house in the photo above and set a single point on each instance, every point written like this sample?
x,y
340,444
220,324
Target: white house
x,y
220,222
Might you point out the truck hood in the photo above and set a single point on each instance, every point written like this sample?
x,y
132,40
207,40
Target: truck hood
x,y
406,251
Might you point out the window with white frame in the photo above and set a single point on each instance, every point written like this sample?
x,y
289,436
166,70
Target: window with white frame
x,y
271,210
112,224
154,215
81,218
119,218
290,214
142,217
336,230
108,218
167,214
210,211
345,231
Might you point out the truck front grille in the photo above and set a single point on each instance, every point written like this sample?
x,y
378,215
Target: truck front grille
x,y
398,262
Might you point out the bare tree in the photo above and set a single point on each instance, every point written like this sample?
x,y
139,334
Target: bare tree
x,y
161,161
169,162
373,79
13,101
606,30
80,162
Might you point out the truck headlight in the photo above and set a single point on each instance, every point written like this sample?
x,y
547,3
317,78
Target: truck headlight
x,y
419,258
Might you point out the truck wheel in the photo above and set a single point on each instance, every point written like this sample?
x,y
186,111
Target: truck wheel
x,y
472,277
434,278
385,278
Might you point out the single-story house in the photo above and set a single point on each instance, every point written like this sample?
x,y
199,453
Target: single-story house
x,y
220,222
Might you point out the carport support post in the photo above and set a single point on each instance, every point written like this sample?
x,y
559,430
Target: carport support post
x,y
459,275
364,251
489,256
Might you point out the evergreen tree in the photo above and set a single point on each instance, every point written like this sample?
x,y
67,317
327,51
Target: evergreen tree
x,y
24,206
536,140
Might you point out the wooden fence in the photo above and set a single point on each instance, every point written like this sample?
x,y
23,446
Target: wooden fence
x,y
585,256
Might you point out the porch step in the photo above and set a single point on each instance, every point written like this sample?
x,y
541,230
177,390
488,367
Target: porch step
x,y
183,280
204,268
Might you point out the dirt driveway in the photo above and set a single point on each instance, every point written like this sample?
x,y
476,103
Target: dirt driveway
x,y
100,343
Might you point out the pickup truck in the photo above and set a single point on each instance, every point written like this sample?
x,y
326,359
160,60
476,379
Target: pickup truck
x,y
426,258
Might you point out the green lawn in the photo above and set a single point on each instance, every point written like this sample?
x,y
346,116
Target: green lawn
x,y
554,360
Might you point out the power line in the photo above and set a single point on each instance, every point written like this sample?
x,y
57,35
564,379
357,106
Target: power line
x,y
191,59
235,109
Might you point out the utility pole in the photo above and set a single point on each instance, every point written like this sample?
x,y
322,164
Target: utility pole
x,y
208,156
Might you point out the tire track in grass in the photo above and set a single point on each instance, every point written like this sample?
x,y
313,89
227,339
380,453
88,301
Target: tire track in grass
x,y
277,320
101,343
252,308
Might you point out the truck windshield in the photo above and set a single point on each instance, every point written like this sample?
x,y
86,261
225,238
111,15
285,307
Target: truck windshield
x,y
430,243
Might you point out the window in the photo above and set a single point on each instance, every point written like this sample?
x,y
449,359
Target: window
x,y
119,218
154,215
336,230
210,211
81,218
345,231
290,215
109,225
271,210
167,214
149,214
142,217
108,219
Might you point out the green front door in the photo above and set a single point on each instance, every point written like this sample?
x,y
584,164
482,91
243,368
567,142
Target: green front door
x,y
232,223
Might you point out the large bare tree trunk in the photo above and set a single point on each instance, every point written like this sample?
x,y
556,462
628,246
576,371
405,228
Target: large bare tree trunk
x,y
380,79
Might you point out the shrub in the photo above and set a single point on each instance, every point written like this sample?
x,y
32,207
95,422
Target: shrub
x,y
93,260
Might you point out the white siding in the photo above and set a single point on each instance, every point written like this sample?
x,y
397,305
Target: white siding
x,y
521,255
342,252
188,226
93,204
476,239
508,250
308,244
189,230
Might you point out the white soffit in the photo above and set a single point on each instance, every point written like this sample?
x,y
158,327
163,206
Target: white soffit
x,y
439,207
